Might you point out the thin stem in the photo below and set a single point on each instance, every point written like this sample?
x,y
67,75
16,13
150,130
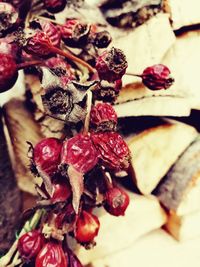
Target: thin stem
x,y
87,118
29,64
133,74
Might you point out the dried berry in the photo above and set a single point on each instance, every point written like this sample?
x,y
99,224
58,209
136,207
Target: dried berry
x,y
8,17
75,33
87,227
111,65
73,261
157,77
79,152
113,150
54,6
8,72
30,244
102,39
103,117
61,192
46,155
52,32
116,201
51,254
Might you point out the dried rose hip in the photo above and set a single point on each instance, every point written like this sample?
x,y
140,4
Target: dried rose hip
x,y
8,72
102,39
80,152
8,17
30,244
157,77
75,33
103,117
46,155
111,65
52,32
61,192
113,150
87,227
51,254
116,201
73,261
54,6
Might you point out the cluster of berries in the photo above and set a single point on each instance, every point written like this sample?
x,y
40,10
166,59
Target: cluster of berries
x,y
76,174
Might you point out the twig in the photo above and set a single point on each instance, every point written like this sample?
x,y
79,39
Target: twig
x,y
89,106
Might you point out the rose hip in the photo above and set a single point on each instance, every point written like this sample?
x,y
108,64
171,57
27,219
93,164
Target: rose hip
x,y
61,192
52,32
113,150
54,6
51,254
80,152
87,227
30,244
73,261
116,201
46,155
157,77
8,17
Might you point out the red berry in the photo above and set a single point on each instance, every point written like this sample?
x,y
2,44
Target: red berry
x,y
8,72
157,77
46,155
75,33
51,255
61,192
87,227
54,6
30,244
80,152
8,17
111,65
52,32
103,117
116,201
113,150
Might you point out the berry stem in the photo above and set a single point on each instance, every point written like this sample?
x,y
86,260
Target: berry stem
x,y
72,57
29,64
133,74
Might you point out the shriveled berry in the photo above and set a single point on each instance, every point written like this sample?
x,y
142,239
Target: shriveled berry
x,y
87,227
61,192
73,261
51,254
102,39
113,150
75,33
111,65
116,201
103,117
8,17
46,155
30,244
52,32
8,72
157,77
54,6
80,152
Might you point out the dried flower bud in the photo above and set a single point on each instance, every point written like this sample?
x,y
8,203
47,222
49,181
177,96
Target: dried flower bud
x,y
111,65
87,227
52,32
116,201
157,77
8,17
79,152
30,244
102,39
113,150
54,6
51,254
75,33
103,117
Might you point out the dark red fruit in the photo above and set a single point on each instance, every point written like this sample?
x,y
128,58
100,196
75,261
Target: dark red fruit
x,y
111,65
46,155
75,33
73,261
103,117
113,150
30,244
52,32
8,72
54,6
157,77
116,201
102,39
87,227
51,255
80,152
8,17
61,192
